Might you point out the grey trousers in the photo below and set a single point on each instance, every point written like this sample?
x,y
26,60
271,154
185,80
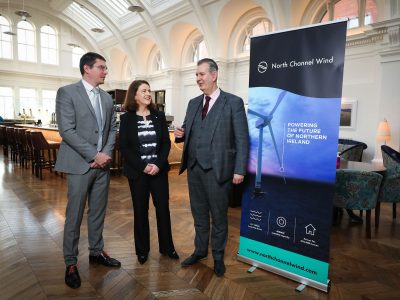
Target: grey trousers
x,y
208,196
92,186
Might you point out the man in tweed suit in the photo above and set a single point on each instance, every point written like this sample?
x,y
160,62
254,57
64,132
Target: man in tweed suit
x,y
215,153
86,123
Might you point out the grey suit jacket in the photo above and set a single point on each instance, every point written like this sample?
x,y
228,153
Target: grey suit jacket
x,y
228,136
77,125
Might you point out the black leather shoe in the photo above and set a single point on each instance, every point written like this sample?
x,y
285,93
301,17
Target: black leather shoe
x,y
192,259
142,259
72,278
172,254
105,260
219,268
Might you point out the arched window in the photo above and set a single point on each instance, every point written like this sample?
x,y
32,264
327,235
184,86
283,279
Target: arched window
x,y
358,15
199,50
48,45
158,61
77,53
5,39
255,28
26,41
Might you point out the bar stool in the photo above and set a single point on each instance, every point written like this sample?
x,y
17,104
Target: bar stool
x,y
11,142
20,145
27,150
45,152
30,149
116,157
3,140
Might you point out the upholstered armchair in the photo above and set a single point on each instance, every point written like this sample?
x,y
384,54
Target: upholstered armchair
x,y
344,144
354,152
357,190
390,189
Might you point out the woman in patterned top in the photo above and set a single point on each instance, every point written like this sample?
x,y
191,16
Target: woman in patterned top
x,y
145,145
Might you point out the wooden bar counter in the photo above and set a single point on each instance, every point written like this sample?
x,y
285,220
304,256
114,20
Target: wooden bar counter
x,y
49,133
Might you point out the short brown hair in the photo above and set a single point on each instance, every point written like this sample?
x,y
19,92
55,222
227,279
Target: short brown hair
x,y
89,59
130,103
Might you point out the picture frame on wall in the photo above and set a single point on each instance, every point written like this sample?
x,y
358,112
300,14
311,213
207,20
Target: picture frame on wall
x,y
348,114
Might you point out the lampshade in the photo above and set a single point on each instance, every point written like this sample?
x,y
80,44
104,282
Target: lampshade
x,y
383,133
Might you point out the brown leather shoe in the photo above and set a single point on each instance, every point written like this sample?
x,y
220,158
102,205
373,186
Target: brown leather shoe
x,y
104,259
72,278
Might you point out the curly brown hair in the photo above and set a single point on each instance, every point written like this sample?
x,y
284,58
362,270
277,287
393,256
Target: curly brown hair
x,y
130,103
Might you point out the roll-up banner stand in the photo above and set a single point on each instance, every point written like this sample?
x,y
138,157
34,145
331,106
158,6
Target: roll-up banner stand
x,y
295,90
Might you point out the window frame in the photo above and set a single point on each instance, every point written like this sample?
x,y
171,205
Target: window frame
x,y
3,103
5,38
25,46
48,48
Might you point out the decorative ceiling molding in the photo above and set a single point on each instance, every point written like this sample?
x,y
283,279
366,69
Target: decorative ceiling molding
x,y
386,32
205,27
158,37
112,27
366,38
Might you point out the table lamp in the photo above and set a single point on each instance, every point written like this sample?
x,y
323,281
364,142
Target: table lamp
x,y
383,133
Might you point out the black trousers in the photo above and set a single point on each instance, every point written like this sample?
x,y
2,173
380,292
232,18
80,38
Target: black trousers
x,y
141,188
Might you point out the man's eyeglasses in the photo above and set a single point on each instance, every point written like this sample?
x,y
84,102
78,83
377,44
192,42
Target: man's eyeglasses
x,y
102,68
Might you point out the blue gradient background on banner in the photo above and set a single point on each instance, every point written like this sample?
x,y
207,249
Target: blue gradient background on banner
x,y
308,162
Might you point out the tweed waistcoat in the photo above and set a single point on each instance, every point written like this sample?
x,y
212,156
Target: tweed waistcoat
x,y
199,144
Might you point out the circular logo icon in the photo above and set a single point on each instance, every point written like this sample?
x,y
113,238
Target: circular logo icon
x,y
281,221
262,66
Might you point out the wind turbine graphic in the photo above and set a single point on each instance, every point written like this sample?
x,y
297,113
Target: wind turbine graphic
x,y
261,123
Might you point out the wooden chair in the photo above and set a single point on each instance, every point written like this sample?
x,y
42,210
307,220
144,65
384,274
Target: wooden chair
x,y
357,190
45,152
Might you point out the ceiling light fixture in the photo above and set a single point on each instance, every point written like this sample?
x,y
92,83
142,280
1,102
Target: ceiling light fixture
x,y
73,45
9,32
135,8
23,13
98,30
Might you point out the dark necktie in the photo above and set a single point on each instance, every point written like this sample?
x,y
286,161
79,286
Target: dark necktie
x,y
205,107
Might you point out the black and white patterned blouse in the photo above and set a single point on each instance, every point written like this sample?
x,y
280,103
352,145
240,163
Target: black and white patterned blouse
x,y
147,139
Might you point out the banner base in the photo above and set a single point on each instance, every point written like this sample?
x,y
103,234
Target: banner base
x,y
303,280
251,269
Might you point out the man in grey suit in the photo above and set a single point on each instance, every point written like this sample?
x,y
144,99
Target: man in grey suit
x,y
215,153
86,123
